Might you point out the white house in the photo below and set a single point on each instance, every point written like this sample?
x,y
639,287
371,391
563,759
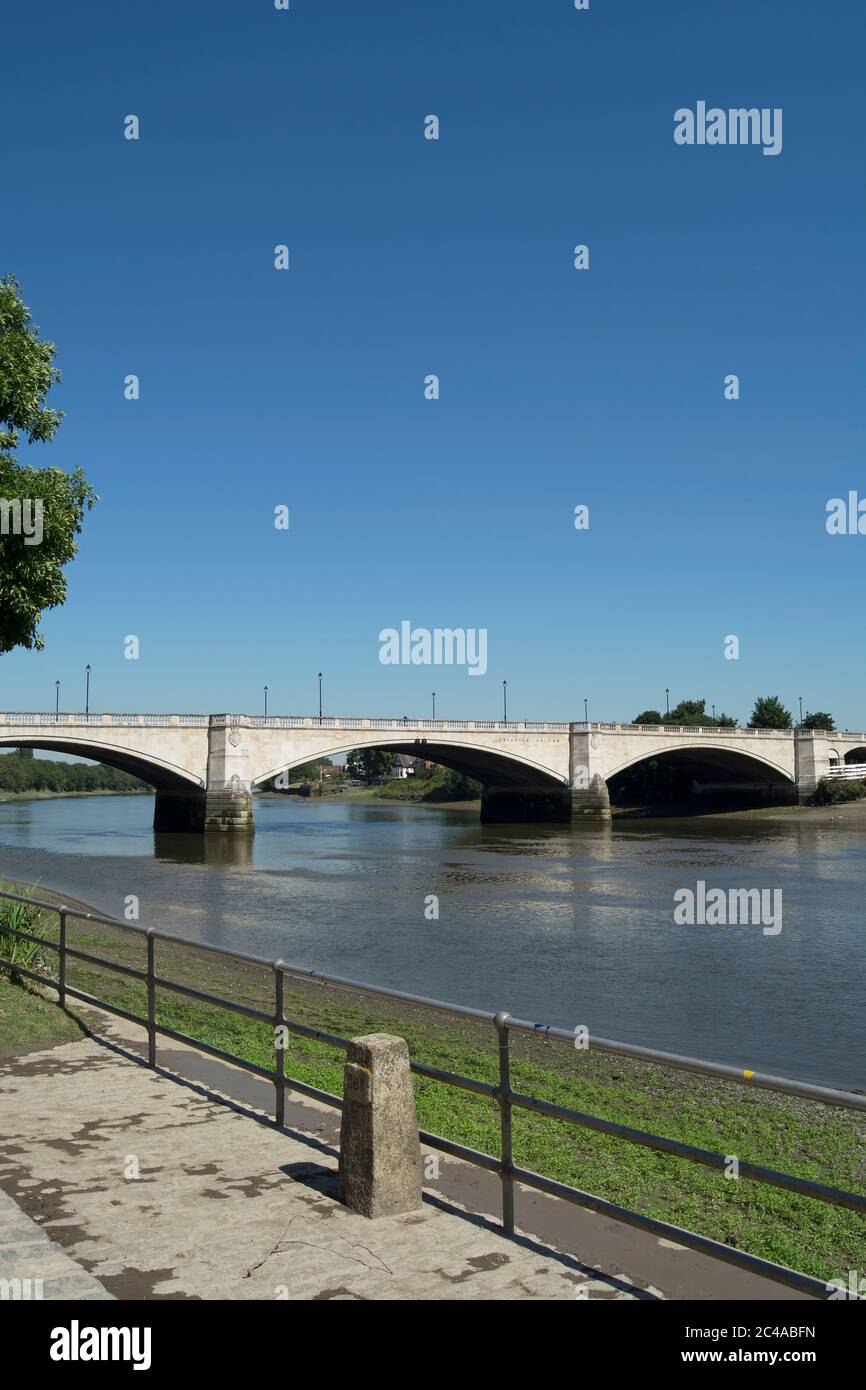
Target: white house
x,y
402,766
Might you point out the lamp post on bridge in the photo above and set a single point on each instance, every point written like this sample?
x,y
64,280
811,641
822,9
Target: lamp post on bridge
x,y
667,701
57,702
266,702
87,691
320,697
585,711
800,697
505,702
434,704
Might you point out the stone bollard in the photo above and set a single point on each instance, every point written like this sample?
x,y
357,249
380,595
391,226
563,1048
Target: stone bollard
x,y
380,1155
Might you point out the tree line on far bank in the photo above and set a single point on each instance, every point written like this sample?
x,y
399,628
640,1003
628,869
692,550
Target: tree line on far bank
x,y
21,772
768,713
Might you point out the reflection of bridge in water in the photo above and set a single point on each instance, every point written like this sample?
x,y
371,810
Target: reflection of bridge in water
x,y
203,767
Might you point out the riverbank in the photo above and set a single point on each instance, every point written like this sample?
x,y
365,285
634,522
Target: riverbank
x,y
852,814
54,796
371,796
809,1139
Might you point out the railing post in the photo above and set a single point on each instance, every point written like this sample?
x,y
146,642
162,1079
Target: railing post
x,y
151,998
279,1049
61,984
506,1163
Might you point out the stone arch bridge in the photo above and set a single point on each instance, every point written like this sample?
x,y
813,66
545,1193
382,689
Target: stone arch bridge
x,y
203,767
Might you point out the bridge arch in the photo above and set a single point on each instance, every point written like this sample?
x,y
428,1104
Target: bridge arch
x,y
720,769
488,766
161,775
714,755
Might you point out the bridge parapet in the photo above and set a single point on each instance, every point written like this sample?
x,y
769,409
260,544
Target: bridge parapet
x,y
124,721
291,721
307,721
698,731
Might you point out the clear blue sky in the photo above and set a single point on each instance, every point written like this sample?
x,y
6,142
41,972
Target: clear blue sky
x,y
454,257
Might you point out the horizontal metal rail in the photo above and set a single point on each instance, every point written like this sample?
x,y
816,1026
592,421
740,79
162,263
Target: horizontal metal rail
x,y
503,1093
804,1186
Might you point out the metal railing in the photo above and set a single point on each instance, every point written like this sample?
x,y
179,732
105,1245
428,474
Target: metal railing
x,y
847,772
503,1093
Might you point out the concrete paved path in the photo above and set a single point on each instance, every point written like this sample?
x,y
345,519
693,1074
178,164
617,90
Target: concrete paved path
x,y
173,1185
33,1266
156,1189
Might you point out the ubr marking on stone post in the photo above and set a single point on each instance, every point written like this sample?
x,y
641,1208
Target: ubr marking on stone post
x,y
380,1155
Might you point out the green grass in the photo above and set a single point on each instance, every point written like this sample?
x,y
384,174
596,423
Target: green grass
x,y
796,1136
27,1021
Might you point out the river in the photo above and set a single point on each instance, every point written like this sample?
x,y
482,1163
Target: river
x,y
564,925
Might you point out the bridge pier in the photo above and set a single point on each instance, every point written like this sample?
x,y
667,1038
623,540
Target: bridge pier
x,y
229,808
810,764
511,805
193,812
179,812
591,802
184,812
586,769
225,803
228,800
560,805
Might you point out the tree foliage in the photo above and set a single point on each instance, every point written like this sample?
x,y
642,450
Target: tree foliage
x,y
366,764
688,714
308,772
770,713
456,786
434,783
28,373
294,776
31,572
21,772
819,720
831,792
